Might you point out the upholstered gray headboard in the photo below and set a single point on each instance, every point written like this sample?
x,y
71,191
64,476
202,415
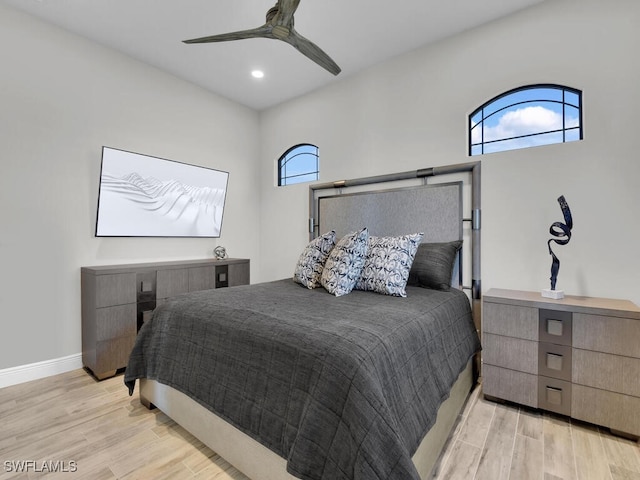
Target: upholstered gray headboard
x,y
435,210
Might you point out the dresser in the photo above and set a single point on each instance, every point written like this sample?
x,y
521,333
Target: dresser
x,y
578,356
118,299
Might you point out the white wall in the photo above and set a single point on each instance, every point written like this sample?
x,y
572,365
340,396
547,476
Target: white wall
x,y
412,112
61,99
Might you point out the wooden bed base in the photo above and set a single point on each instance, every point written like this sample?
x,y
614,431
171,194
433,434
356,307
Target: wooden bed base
x,y
258,462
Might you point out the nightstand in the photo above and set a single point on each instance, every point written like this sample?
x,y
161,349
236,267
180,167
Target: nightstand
x,y
577,356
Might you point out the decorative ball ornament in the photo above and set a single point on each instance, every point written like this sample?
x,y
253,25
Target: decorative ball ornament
x,y
220,253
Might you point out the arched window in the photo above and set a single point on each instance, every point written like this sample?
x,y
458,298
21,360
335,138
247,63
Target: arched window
x,y
526,117
298,164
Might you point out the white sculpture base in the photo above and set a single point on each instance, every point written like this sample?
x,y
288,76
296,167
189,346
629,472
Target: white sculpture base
x,y
555,294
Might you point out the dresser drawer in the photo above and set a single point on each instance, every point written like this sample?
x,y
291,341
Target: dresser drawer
x,y
510,321
607,334
518,387
555,326
117,289
112,354
115,322
607,372
202,278
615,410
239,275
172,282
554,395
511,353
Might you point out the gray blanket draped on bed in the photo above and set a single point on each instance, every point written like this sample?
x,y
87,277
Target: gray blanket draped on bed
x,y
344,388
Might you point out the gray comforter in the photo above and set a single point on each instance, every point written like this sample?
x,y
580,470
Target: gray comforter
x,y
344,388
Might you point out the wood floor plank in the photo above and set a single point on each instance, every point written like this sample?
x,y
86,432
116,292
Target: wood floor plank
x,y
620,473
550,476
530,423
220,469
200,459
589,453
476,426
622,452
149,460
6,442
6,474
466,410
7,408
528,458
462,462
474,396
559,459
49,447
495,462
230,473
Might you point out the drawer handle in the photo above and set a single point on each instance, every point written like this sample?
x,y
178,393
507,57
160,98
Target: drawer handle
x,y
554,327
554,396
554,361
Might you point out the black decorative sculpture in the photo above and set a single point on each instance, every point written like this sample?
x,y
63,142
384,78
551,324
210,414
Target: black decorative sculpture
x,y
562,232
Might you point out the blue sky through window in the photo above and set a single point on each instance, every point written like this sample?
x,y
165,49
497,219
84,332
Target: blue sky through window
x,y
299,164
525,118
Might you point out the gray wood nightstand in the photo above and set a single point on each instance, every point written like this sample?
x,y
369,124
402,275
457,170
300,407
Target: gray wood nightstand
x,y
577,356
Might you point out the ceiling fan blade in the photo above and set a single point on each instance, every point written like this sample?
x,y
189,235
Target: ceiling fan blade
x,y
260,32
312,51
286,9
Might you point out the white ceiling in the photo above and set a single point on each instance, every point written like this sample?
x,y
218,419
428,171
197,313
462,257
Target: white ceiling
x,y
355,33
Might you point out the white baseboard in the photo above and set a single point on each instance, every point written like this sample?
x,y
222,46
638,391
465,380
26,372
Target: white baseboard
x,y
34,371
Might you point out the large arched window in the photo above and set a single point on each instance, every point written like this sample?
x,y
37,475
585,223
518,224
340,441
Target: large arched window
x,y
298,164
526,117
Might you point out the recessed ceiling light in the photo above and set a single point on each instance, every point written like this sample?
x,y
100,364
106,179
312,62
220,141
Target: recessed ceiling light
x,y
257,74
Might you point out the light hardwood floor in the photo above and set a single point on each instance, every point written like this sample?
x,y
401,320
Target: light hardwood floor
x,y
496,441
96,428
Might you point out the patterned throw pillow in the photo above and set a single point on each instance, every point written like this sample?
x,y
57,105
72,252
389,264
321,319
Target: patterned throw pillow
x,y
344,265
386,268
311,262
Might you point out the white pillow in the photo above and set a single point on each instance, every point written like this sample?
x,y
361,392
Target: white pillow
x,y
387,265
311,262
344,265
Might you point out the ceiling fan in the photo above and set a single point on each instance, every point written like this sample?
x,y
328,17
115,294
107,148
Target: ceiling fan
x,y
279,26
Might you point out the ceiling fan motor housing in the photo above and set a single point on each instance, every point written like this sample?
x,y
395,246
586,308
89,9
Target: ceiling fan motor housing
x,y
280,32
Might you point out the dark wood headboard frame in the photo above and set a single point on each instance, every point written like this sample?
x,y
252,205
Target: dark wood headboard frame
x,y
472,168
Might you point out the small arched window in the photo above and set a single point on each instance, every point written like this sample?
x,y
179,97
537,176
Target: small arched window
x,y
298,164
526,117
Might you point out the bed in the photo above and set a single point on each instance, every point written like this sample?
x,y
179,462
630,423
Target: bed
x,y
290,382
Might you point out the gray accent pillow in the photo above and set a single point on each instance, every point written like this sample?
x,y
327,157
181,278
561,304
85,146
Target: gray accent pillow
x,y
433,265
312,259
386,268
344,265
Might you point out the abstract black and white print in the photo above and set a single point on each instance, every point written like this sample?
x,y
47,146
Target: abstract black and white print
x,y
151,197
